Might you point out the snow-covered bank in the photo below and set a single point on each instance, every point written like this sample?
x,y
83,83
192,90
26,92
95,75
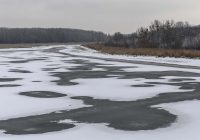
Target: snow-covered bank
x,y
89,52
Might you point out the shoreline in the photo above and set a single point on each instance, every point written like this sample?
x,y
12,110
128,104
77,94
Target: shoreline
x,y
176,53
29,45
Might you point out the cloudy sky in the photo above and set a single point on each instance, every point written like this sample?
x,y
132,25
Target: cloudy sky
x,y
102,15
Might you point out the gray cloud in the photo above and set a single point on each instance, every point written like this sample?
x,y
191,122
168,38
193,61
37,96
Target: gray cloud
x,y
104,15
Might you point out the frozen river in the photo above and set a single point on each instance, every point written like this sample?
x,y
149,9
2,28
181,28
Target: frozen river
x,y
71,92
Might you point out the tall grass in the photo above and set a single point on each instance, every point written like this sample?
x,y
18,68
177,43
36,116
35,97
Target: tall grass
x,y
146,51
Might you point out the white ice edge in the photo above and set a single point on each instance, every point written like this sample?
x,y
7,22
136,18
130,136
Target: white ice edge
x,y
170,60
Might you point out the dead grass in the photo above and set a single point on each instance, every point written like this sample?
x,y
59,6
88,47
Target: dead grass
x,y
4,46
146,51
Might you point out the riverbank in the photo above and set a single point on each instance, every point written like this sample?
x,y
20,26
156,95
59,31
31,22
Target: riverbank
x,y
181,53
29,45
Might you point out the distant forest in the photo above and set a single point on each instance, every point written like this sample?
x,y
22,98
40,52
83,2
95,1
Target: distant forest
x,y
167,34
50,35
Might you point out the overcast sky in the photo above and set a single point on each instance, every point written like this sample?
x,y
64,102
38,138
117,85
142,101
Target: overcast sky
x,y
102,15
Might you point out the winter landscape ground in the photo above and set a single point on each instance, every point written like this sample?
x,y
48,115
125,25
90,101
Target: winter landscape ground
x,y
72,92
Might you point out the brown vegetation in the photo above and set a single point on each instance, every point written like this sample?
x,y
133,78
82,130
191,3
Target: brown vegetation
x,y
145,51
4,46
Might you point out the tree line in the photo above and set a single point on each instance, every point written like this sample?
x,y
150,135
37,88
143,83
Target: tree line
x,y
167,34
48,35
